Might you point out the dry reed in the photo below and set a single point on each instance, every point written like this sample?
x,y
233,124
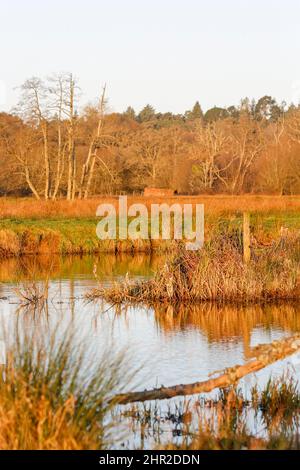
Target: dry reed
x,y
216,273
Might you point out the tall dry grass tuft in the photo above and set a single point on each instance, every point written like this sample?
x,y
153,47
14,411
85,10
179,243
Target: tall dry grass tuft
x,y
40,241
50,398
217,273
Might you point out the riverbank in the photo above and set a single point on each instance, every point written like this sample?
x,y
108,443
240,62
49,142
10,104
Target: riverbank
x,y
20,236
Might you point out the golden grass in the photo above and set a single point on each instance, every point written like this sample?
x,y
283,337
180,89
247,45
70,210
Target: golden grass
x,y
31,208
51,400
9,243
216,273
63,227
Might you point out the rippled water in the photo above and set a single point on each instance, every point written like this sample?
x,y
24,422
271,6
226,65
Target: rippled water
x,y
169,346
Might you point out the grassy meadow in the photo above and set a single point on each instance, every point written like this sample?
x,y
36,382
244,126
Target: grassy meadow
x,y
26,208
65,227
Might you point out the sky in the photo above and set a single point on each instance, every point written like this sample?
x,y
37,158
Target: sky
x,y
168,53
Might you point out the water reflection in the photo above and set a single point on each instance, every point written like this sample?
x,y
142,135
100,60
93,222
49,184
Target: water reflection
x,y
168,345
68,267
222,323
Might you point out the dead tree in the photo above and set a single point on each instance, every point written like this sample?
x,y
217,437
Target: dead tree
x,y
58,93
70,111
34,107
88,167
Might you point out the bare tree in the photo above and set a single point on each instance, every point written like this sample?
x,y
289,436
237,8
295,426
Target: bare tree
x,y
88,167
294,133
211,143
57,91
21,148
71,116
35,108
149,155
247,144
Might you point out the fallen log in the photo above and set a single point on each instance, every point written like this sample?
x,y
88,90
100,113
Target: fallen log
x,y
265,354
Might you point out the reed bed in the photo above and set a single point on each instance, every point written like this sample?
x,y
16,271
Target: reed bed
x,y
217,273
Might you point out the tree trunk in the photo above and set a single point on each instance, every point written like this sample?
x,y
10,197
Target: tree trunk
x,y
266,354
30,184
71,146
47,161
89,165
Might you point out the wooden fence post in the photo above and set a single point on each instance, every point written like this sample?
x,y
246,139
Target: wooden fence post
x,y
246,237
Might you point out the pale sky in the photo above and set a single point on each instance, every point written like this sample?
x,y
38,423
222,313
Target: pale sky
x,y
168,53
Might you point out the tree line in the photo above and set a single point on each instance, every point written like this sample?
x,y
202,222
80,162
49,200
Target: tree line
x,y
50,150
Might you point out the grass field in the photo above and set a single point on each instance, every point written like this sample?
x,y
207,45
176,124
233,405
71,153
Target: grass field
x,y
24,208
28,226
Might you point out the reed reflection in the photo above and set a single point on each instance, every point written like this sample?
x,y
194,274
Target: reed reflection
x,y
229,322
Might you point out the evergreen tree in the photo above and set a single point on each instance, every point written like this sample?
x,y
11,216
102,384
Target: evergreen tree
x,y
214,114
268,109
196,112
130,112
147,114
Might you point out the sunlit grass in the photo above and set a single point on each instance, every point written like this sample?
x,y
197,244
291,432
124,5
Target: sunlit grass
x,y
28,226
216,273
51,397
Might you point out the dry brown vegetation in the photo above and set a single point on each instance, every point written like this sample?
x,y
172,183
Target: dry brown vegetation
x,y
214,205
217,273
52,402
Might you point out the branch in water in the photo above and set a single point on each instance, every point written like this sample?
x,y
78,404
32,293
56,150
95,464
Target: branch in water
x,y
265,354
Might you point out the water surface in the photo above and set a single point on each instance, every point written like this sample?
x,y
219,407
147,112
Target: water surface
x,y
168,346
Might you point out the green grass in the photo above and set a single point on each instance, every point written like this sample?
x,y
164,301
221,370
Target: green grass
x,y
78,234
